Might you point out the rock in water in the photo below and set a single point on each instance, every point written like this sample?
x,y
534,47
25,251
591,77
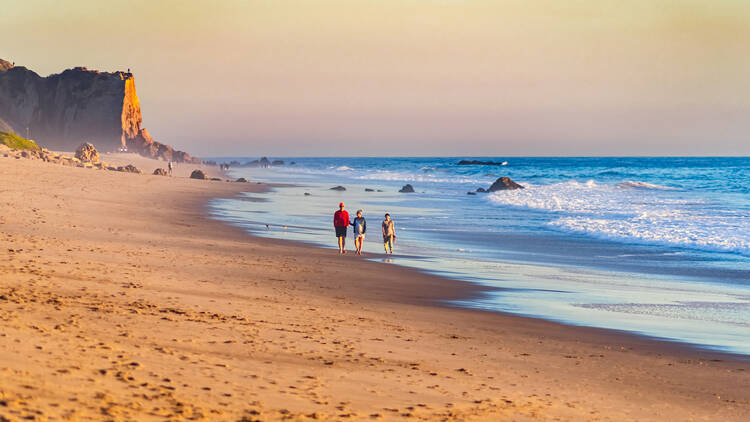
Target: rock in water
x,y
129,169
369,190
264,162
160,172
198,174
481,190
241,180
504,183
471,193
481,163
338,188
87,153
407,189
277,163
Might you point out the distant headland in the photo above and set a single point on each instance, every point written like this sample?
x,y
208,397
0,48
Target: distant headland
x,y
63,110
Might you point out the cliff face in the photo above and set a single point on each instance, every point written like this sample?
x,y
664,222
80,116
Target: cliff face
x,y
78,105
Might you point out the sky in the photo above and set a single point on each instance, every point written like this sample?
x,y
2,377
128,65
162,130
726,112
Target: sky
x,y
412,77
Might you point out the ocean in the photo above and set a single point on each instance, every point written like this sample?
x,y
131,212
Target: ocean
x,y
654,246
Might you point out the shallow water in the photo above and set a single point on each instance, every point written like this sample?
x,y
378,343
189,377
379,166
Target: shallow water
x,y
656,246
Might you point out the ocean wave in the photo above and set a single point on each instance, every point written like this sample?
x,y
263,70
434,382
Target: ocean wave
x,y
406,176
643,185
669,230
340,168
651,214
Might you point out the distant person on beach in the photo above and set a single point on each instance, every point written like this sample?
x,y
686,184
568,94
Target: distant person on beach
x,y
389,234
341,223
360,228
170,166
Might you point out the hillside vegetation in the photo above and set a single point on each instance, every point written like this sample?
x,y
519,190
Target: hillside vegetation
x,y
11,140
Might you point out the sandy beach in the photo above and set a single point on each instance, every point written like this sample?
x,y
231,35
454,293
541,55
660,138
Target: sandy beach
x,y
121,300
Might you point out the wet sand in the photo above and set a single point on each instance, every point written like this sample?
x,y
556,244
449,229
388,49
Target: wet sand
x,y
121,300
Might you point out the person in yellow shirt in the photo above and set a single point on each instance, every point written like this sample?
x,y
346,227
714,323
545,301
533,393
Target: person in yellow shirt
x,y
389,234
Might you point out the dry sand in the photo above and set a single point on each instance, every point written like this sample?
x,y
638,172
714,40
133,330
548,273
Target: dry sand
x,y
120,300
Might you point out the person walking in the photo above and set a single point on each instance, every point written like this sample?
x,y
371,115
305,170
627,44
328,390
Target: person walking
x,y
170,166
389,234
340,224
360,228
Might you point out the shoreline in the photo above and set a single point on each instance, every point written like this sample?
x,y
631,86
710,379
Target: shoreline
x,y
123,299
459,290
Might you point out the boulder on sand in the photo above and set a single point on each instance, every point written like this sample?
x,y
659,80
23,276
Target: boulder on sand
x,y
129,169
198,174
407,189
241,180
160,172
87,153
504,183
369,190
338,188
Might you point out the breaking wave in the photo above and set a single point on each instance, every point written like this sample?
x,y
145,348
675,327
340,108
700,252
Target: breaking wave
x,y
635,212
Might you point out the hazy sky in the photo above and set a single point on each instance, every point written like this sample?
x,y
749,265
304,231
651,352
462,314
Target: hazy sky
x,y
413,77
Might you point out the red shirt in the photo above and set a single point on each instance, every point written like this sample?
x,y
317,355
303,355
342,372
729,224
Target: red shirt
x,y
341,218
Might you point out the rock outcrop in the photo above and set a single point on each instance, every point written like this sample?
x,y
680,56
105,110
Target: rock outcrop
x,y
338,188
482,163
87,153
63,110
504,183
129,169
407,189
160,172
198,174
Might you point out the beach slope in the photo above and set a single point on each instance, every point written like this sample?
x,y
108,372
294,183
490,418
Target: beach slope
x,y
121,300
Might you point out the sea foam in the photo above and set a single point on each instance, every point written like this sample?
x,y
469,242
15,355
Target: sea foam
x,y
634,212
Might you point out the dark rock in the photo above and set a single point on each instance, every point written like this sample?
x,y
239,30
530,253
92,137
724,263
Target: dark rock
x,y
307,194
198,174
129,169
481,190
380,190
277,163
216,179
338,188
292,163
471,193
369,190
481,163
87,153
160,172
407,189
504,183
264,162
241,180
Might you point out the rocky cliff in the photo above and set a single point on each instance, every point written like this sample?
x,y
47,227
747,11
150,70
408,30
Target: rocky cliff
x,y
62,111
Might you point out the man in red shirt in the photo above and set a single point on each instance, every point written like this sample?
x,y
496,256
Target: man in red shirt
x,y
341,223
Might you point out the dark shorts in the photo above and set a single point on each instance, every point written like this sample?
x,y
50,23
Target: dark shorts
x,y
341,231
